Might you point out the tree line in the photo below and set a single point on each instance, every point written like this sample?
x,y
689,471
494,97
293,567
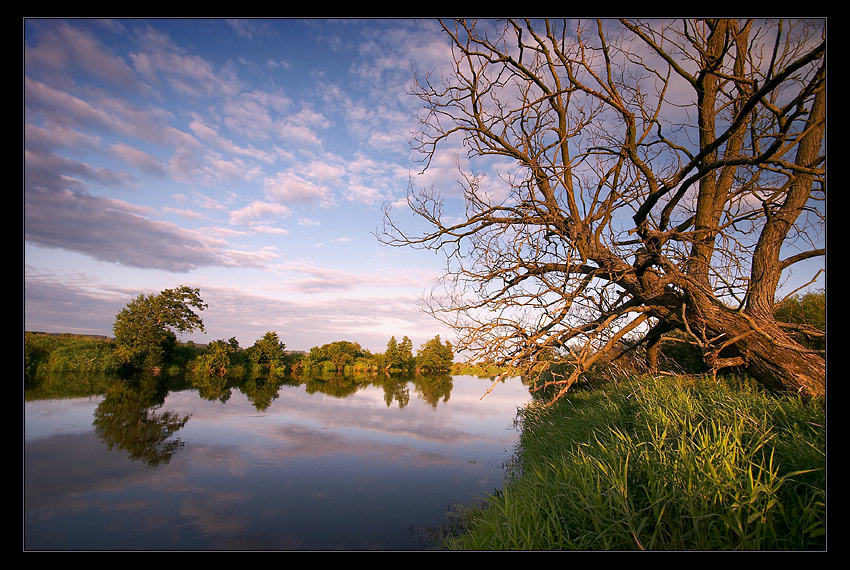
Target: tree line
x,y
146,339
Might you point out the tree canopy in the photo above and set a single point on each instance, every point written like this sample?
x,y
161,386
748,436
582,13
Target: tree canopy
x,y
399,355
145,329
650,177
268,351
434,356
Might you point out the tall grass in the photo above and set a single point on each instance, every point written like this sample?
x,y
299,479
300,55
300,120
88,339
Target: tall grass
x,y
55,353
661,464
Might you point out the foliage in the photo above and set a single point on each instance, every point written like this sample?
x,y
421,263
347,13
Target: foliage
x,y
215,359
806,316
675,464
268,352
145,329
399,355
434,356
58,353
129,418
332,358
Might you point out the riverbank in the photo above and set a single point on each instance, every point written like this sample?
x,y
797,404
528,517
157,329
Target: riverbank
x,y
660,464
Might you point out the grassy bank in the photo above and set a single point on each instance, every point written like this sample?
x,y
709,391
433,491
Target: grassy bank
x,y
667,464
57,353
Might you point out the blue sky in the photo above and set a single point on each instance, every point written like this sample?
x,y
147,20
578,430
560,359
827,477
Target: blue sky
x,y
250,159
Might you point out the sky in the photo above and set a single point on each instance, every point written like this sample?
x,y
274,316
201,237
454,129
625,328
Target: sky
x,y
251,159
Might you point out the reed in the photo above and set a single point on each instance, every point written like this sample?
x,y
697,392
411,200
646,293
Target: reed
x,y
55,353
661,464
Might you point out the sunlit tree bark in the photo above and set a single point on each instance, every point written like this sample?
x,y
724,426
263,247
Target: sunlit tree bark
x,y
654,177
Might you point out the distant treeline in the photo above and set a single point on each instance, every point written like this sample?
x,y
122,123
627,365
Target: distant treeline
x,y
46,352
98,354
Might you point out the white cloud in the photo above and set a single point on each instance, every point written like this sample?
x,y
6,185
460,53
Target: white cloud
x,y
291,188
62,49
162,62
185,213
258,211
138,159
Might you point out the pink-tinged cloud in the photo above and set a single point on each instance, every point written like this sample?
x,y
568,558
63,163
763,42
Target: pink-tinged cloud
x,y
259,211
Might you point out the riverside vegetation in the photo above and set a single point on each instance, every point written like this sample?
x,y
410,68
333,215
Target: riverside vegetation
x,y
628,461
652,463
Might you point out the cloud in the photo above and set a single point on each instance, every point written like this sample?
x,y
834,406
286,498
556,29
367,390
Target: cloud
x,y
303,324
49,170
110,230
139,159
54,137
62,49
257,210
320,279
266,229
163,63
210,135
250,29
87,307
257,114
185,213
291,188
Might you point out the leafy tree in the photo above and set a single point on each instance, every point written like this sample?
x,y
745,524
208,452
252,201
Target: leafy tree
x,y
405,349
342,353
805,317
332,357
399,355
392,355
434,356
215,359
268,351
650,176
145,329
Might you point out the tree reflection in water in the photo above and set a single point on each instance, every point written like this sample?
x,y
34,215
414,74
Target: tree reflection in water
x,y
128,419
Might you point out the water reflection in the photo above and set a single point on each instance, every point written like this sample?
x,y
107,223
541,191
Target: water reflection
x,y
262,463
129,419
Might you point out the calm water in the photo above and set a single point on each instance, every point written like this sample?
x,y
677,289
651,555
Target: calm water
x,y
288,468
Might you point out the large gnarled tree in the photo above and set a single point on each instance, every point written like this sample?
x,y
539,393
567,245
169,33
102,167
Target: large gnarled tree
x,y
664,176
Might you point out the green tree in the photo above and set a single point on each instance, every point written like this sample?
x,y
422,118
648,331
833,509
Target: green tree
x,y
391,355
342,353
399,355
268,351
393,358
434,356
805,317
145,329
332,357
215,359
405,349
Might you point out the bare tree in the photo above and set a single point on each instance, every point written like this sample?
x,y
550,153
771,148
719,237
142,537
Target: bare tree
x,y
662,176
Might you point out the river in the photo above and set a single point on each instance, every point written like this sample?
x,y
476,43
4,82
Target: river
x,y
289,467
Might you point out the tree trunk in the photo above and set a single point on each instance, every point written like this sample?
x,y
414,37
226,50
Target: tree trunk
x,y
766,351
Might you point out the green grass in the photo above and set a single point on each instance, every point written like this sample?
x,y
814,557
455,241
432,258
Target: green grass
x,y
661,464
60,353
